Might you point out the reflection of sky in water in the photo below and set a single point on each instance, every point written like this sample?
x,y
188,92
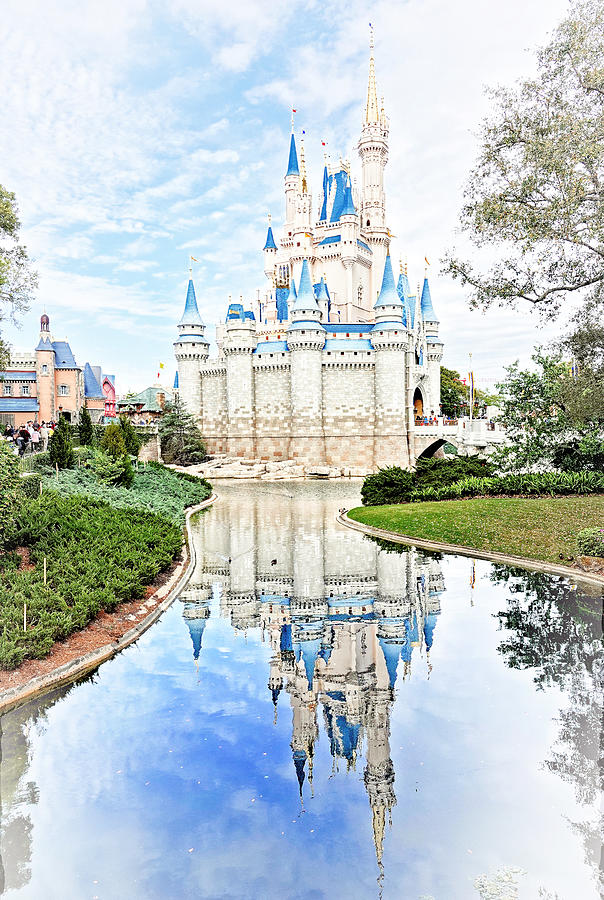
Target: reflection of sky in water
x,y
168,777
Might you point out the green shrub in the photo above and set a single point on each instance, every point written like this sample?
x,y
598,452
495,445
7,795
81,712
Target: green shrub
x,y
60,446
30,484
97,557
390,485
590,542
114,446
111,471
9,487
180,438
85,429
439,472
131,439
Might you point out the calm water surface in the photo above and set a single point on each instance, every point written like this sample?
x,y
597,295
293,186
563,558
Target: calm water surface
x,y
320,716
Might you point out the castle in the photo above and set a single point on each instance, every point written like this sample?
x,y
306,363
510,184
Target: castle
x,y
47,383
337,362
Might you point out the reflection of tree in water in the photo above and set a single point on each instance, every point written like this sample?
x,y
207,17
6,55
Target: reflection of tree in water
x,y
17,794
555,629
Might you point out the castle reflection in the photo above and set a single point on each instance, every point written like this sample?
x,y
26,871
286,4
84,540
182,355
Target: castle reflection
x,y
345,621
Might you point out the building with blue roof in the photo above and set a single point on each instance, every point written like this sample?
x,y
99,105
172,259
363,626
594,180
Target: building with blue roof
x,y
46,383
335,364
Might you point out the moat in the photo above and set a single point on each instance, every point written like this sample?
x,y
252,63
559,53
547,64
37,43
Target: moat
x,y
320,715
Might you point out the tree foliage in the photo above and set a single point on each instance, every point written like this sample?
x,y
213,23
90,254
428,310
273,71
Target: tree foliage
x,y
17,281
85,429
112,464
180,438
455,395
537,190
548,421
131,439
60,446
9,487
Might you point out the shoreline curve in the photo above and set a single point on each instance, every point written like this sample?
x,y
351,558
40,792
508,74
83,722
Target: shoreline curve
x,y
492,556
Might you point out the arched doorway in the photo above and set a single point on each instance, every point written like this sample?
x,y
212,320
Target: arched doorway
x,y
418,405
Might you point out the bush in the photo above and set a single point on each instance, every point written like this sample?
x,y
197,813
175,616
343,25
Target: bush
x,y
552,483
9,486
60,446
590,542
112,471
97,557
30,484
114,447
131,439
85,429
396,485
180,438
154,488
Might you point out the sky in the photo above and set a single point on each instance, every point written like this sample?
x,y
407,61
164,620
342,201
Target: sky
x,y
138,132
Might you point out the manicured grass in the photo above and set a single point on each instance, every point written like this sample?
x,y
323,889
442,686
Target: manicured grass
x,y
536,528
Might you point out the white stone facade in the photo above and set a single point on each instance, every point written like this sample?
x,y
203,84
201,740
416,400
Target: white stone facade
x,y
336,372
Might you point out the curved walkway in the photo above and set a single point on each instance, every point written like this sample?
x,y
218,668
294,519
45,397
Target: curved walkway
x,y
521,561
67,672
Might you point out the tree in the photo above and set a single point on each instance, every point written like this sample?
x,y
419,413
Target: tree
x,y
113,446
131,438
542,426
85,429
180,438
453,394
17,281
9,488
537,191
61,447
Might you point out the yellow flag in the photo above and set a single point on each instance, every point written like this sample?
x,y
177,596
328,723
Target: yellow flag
x,y
161,365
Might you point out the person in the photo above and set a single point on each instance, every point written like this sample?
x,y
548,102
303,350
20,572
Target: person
x,y
35,437
44,435
9,432
22,439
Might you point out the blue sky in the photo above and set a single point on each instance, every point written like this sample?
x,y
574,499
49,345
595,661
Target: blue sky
x,y
138,132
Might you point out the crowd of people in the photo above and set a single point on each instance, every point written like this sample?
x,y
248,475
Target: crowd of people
x,y
32,436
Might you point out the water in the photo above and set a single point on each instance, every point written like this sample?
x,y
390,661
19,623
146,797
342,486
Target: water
x,y
447,746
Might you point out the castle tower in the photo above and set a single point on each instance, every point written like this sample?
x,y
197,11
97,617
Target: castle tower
x,y
191,351
434,346
390,341
270,251
292,185
373,150
45,372
239,345
305,340
349,221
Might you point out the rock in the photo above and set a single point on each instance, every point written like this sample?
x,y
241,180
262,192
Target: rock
x,y
318,471
594,564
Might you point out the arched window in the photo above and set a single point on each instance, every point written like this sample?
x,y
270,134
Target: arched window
x,y
360,295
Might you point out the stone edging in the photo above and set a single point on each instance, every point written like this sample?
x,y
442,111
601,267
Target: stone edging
x,y
80,665
520,561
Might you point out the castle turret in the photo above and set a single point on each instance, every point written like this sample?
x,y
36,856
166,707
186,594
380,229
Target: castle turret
x,y
270,251
191,351
239,345
306,338
434,346
323,300
349,222
373,150
389,339
45,372
292,185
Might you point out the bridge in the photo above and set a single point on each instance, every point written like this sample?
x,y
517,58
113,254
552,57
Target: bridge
x,y
469,437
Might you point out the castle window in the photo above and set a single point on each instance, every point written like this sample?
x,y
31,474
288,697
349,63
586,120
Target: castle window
x,y
25,390
44,369
63,390
368,221
7,390
360,294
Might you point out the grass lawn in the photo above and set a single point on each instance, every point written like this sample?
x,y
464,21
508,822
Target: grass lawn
x,y
536,528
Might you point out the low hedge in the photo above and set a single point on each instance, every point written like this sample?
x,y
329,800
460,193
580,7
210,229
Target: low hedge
x,y
396,485
97,557
544,483
30,484
590,542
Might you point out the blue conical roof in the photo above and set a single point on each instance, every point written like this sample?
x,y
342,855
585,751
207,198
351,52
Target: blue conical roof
x,y
428,314
196,629
388,293
391,655
305,297
92,388
270,240
309,651
292,290
327,178
429,626
348,208
175,381
322,292
191,315
292,165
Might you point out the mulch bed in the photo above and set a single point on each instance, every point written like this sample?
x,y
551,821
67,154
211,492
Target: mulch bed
x,y
105,629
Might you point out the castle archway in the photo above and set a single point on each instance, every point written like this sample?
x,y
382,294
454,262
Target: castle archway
x,y
418,404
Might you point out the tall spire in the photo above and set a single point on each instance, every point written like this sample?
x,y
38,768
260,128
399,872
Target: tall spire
x,y
372,112
304,182
191,315
388,294
292,165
